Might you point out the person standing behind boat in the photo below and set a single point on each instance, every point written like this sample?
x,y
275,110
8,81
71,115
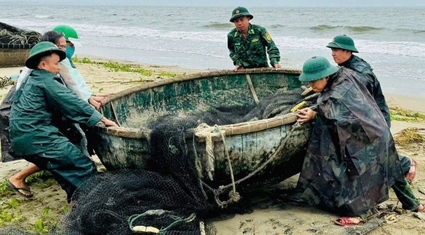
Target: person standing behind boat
x,y
72,77
343,47
351,159
34,137
249,44
72,40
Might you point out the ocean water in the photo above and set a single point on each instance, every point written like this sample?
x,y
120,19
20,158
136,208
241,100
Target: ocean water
x,y
392,40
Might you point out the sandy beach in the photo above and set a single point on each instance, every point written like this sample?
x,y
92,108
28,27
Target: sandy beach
x,y
271,213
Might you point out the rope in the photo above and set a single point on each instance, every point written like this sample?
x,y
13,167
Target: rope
x,y
6,81
83,141
210,153
150,229
234,196
202,228
206,132
19,37
272,157
198,166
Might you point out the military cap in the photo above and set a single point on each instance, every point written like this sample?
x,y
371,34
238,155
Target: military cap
x,y
239,12
42,49
316,68
343,42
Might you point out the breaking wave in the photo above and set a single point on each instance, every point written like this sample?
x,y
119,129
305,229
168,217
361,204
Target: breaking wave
x,y
347,28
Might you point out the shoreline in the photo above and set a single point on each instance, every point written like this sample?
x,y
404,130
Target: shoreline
x,y
394,100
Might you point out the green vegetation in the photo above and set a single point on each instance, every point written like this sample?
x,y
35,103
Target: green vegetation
x,y
38,175
166,74
406,116
13,206
119,67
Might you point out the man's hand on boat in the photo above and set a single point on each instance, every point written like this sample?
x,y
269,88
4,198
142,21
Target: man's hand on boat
x,y
239,68
97,101
108,122
305,115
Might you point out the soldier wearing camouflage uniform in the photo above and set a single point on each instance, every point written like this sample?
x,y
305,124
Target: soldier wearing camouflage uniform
x,y
342,51
249,44
351,159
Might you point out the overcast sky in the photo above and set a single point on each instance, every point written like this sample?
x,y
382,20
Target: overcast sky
x,y
281,3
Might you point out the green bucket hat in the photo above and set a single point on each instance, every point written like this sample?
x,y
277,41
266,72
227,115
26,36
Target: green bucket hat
x,y
42,49
239,12
315,68
343,42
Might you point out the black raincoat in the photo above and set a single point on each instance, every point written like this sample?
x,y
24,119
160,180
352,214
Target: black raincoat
x,y
351,159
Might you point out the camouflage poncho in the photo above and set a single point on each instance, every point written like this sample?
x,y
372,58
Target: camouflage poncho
x,y
368,78
351,160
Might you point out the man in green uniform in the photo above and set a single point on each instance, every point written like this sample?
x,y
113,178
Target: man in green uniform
x,y
342,52
249,44
351,159
34,137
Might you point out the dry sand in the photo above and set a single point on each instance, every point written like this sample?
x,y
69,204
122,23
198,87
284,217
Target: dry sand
x,y
271,214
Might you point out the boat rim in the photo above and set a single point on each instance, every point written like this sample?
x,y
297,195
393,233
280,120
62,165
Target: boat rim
x,y
232,129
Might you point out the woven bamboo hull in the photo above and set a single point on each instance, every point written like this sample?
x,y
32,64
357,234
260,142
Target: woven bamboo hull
x,y
249,145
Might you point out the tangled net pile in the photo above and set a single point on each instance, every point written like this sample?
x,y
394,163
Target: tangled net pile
x,y
165,198
14,38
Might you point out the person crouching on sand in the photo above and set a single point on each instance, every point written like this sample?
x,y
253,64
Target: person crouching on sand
x,y
351,159
33,137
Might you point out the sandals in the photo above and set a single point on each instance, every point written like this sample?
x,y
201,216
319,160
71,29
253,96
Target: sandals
x,y
26,192
410,176
349,221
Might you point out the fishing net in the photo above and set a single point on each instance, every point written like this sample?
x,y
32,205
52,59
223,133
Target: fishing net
x,y
169,134
167,197
14,38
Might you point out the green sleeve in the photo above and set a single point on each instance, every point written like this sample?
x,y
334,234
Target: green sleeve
x,y
231,45
272,49
69,104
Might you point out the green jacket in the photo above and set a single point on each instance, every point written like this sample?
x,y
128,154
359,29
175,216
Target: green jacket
x,y
250,52
31,128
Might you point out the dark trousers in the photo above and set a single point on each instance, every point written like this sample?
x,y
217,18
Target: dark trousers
x,y
69,166
405,164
